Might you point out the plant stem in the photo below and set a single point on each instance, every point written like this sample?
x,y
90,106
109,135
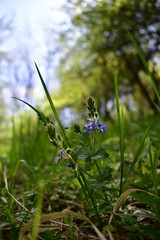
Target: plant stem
x,y
98,169
91,197
94,140
83,189
81,170
71,159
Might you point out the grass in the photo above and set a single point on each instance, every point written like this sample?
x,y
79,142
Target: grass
x,y
61,190
33,161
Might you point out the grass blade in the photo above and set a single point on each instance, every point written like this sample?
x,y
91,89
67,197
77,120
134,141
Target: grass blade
x,y
136,158
27,104
121,130
140,52
153,167
37,216
53,108
41,116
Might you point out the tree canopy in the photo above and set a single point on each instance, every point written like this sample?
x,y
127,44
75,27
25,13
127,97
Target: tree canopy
x,y
96,42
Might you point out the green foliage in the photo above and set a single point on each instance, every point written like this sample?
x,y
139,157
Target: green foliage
x,y
53,108
77,129
61,184
154,165
136,158
140,52
90,178
96,42
51,235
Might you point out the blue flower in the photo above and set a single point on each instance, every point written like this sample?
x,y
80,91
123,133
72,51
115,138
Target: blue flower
x,y
57,160
60,154
102,127
90,127
69,164
83,230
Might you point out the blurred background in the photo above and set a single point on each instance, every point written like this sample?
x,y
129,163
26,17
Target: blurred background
x,y
77,45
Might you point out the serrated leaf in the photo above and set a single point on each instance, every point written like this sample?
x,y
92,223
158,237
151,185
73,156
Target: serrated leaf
x,y
84,152
101,153
106,174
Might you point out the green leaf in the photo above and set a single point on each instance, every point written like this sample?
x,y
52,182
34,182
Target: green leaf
x,y
53,108
83,153
101,153
40,115
153,168
77,129
51,234
106,175
28,166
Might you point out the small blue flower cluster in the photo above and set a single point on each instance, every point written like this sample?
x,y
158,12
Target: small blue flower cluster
x,y
91,126
60,154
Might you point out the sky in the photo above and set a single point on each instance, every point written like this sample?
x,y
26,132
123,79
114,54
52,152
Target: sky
x,y
30,20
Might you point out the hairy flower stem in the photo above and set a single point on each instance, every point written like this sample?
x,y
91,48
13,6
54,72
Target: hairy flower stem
x,y
71,159
85,185
81,170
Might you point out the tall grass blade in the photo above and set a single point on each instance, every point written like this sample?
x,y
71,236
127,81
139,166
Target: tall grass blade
x,y
37,216
136,158
53,108
27,104
140,52
61,127
153,167
121,130
41,116
121,149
